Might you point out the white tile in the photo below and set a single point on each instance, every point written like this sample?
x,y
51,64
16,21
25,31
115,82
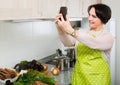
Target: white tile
x,y
27,40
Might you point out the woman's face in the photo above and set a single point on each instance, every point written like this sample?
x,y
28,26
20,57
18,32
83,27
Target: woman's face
x,y
94,22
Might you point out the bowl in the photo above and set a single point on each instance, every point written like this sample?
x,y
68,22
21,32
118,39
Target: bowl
x,y
11,80
13,75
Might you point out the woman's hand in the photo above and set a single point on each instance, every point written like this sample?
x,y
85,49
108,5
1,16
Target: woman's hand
x,y
56,22
63,25
63,28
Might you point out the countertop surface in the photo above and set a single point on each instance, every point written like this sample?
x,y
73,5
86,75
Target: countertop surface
x,y
64,77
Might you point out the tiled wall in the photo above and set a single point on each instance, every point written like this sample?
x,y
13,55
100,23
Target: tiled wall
x,y
27,40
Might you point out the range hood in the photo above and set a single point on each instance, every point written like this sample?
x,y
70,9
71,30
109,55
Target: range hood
x,y
75,19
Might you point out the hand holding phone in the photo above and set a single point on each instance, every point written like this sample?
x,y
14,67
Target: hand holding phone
x,y
63,10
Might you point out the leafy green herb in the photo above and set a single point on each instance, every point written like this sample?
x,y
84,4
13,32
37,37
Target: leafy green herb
x,y
49,80
32,76
26,78
24,62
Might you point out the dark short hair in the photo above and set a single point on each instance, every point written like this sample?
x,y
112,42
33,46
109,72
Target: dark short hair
x,y
103,12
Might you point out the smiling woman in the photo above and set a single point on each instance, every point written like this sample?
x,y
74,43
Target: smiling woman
x,y
92,46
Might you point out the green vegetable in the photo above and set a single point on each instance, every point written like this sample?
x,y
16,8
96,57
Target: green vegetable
x,y
32,76
26,78
44,79
18,83
25,62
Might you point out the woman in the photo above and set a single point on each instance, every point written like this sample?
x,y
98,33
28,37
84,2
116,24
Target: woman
x,y
92,46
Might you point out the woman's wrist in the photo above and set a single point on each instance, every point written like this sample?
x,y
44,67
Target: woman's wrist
x,y
73,33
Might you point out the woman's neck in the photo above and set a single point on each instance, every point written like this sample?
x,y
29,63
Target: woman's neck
x,y
100,28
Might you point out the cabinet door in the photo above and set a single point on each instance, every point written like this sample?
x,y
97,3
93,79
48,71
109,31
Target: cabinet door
x,y
74,8
48,8
85,4
17,9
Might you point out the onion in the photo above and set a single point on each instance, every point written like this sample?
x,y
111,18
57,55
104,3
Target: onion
x,y
55,71
45,67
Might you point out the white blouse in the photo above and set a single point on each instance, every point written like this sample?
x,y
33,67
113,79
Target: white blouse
x,y
101,40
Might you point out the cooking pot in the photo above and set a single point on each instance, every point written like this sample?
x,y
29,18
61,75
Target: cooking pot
x,y
63,62
71,55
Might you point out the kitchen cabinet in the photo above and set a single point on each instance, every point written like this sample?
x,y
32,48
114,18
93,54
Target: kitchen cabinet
x,y
17,9
85,4
74,8
42,9
48,9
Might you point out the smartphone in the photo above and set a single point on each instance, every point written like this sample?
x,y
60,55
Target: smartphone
x,y
63,10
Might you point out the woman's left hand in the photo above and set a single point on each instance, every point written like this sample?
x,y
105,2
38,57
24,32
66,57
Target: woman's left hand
x,y
64,25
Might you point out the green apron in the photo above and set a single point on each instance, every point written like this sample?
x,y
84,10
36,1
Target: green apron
x,y
90,68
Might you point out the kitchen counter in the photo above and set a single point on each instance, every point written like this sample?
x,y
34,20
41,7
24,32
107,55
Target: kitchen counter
x,y
64,77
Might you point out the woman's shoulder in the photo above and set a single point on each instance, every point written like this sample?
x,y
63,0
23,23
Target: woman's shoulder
x,y
108,33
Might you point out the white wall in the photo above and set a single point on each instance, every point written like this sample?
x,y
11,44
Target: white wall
x,y
26,40
114,4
